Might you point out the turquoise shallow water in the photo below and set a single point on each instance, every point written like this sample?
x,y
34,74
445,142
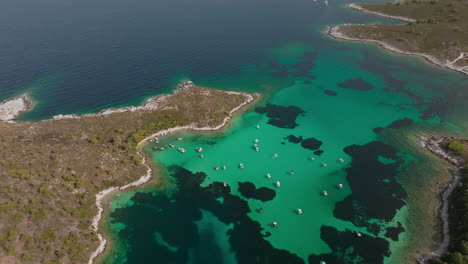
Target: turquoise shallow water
x,y
341,94
347,122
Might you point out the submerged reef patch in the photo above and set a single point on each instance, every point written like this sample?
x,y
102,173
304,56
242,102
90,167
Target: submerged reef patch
x,y
348,248
305,66
311,143
356,84
248,190
308,143
441,104
174,216
319,152
394,232
396,124
294,139
376,194
401,123
281,116
378,130
279,70
330,93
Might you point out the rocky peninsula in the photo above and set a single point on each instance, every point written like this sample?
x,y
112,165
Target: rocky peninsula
x,y
55,173
435,30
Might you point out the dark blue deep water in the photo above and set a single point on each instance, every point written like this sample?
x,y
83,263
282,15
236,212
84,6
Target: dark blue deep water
x,y
84,56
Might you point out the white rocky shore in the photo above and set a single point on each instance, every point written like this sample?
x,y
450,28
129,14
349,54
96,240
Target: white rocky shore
x,y
12,108
334,31
150,105
433,145
360,8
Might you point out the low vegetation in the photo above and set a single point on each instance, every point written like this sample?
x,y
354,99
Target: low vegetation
x,y
50,172
440,28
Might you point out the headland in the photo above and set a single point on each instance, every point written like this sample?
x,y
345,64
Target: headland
x,y
435,30
56,173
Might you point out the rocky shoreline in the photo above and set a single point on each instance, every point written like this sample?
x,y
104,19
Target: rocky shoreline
x,y
334,32
12,108
150,105
433,145
147,177
362,9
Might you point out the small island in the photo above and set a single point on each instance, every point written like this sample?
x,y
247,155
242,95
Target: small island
x,y
435,29
55,173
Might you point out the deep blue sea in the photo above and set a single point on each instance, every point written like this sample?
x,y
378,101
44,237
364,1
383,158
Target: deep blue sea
x,y
84,56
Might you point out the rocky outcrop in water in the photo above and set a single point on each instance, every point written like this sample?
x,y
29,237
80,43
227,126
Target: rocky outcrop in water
x,y
433,145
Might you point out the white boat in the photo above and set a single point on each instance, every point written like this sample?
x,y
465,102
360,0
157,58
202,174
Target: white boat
x,y
171,145
358,234
224,167
278,184
299,211
202,156
217,168
326,2
256,148
341,159
241,166
199,149
325,193
324,164
224,184
291,172
258,126
182,150
275,155
340,186
256,140
179,138
274,224
268,175
312,158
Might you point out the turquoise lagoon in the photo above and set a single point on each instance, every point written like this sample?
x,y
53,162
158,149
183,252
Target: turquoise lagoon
x,y
370,115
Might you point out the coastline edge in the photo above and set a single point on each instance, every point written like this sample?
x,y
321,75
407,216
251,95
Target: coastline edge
x,y
333,31
149,173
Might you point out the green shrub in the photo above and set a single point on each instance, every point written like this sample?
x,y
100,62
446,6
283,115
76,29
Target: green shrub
x,y
94,140
457,147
